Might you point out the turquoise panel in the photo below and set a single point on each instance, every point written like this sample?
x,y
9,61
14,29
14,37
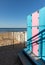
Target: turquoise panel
x,y
41,27
29,32
29,29
29,20
43,51
42,19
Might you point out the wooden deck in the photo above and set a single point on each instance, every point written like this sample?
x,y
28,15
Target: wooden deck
x,y
24,59
9,54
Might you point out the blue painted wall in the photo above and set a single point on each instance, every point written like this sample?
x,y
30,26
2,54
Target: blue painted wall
x,y
29,29
42,26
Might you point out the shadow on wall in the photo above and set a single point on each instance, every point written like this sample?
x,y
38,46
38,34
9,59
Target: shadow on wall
x,y
8,54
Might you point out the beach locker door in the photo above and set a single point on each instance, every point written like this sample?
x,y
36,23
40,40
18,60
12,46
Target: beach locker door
x,y
42,24
29,29
35,30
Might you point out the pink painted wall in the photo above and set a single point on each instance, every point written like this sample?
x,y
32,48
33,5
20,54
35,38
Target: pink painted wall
x,y
35,30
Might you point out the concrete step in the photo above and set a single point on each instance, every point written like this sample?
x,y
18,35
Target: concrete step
x,y
24,59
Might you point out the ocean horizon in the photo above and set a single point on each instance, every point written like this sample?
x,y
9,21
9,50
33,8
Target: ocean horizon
x,y
12,29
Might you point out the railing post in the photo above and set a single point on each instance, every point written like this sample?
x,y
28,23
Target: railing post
x,y
30,45
41,44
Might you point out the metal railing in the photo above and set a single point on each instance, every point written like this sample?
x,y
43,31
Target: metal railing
x,y
38,39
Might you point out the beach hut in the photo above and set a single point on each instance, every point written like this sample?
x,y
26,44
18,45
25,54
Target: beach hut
x,y
35,24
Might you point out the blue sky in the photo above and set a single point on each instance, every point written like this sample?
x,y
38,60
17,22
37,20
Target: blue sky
x,y
13,13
